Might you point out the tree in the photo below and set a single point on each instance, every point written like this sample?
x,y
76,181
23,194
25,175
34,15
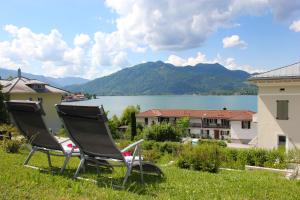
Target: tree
x,y
126,115
114,123
133,125
4,118
182,125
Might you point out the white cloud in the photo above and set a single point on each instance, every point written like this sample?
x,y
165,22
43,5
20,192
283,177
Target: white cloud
x,y
229,63
87,58
233,41
173,25
81,39
295,26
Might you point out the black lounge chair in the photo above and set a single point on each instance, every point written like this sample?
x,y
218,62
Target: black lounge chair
x,y
87,127
27,116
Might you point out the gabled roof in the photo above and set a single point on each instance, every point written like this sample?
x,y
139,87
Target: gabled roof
x,y
22,85
290,71
234,115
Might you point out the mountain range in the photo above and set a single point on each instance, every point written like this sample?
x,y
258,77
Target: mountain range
x,y
158,78
59,82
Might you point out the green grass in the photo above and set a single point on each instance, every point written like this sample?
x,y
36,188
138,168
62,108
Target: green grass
x,y
19,182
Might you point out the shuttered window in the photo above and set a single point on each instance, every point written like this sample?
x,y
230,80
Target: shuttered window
x,y
246,124
282,109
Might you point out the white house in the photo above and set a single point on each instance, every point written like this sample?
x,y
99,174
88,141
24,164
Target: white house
x,y
278,107
236,125
21,88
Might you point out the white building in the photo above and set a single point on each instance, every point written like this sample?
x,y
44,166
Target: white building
x,y
278,107
236,125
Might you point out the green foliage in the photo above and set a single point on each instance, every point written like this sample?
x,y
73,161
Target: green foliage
x,y
238,158
4,117
11,146
157,78
220,143
182,124
19,182
293,156
126,115
114,123
205,157
161,132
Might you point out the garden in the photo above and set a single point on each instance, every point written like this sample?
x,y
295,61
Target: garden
x,y
207,170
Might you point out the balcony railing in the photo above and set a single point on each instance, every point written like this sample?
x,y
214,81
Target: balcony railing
x,y
205,125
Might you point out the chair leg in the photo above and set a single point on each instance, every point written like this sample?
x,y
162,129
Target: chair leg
x,y
128,172
141,165
79,167
29,156
49,159
67,159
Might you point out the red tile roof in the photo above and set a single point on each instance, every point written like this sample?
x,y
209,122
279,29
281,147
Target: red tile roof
x,y
235,115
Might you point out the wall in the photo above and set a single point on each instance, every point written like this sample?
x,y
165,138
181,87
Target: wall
x,y
268,126
242,135
49,100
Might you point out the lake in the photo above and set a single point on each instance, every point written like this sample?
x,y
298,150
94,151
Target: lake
x,y
116,104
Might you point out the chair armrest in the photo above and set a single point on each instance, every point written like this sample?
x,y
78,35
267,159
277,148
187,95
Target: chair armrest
x,y
64,141
132,145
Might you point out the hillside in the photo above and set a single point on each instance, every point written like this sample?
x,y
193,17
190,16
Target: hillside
x,y
59,82
157,78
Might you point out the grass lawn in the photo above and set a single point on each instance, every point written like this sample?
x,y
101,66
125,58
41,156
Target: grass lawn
x,y
18,182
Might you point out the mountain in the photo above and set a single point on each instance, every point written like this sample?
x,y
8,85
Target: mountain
x,y
157,78
59,82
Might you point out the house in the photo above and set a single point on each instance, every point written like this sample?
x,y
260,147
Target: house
x,y
22,88
236,125
278,107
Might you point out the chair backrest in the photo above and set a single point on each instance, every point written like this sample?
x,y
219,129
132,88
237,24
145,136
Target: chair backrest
x,y
27,115
88,127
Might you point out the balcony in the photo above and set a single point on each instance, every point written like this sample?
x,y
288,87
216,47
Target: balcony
x,y
196,125
206,125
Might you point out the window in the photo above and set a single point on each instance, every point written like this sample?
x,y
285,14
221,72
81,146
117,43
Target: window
x,y
282,110
246,124
146,120
281,140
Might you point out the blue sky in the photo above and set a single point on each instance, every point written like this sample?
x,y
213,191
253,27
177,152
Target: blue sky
x,y
95,38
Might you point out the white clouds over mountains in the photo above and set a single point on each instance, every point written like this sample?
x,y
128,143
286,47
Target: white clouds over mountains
x,y
141,26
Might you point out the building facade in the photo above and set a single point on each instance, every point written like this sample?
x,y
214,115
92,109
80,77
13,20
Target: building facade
x,y
21,88
235,125
278,107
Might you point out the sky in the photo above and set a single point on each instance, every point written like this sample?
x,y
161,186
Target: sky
x,y
95,38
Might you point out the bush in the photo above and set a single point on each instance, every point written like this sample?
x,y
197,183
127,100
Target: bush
x,y
162,132
238,158
220,143
151,155
11,146
205,157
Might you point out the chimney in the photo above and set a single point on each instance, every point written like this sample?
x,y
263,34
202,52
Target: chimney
x,y
19,73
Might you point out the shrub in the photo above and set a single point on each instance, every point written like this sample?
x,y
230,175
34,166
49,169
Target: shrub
x,y
151,155
221,143
161,132
205,157
11,146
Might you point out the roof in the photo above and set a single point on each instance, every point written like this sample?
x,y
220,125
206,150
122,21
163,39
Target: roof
x,y
289,71
22,85
234,115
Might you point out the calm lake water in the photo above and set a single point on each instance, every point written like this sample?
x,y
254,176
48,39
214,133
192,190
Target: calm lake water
x,y
116,104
